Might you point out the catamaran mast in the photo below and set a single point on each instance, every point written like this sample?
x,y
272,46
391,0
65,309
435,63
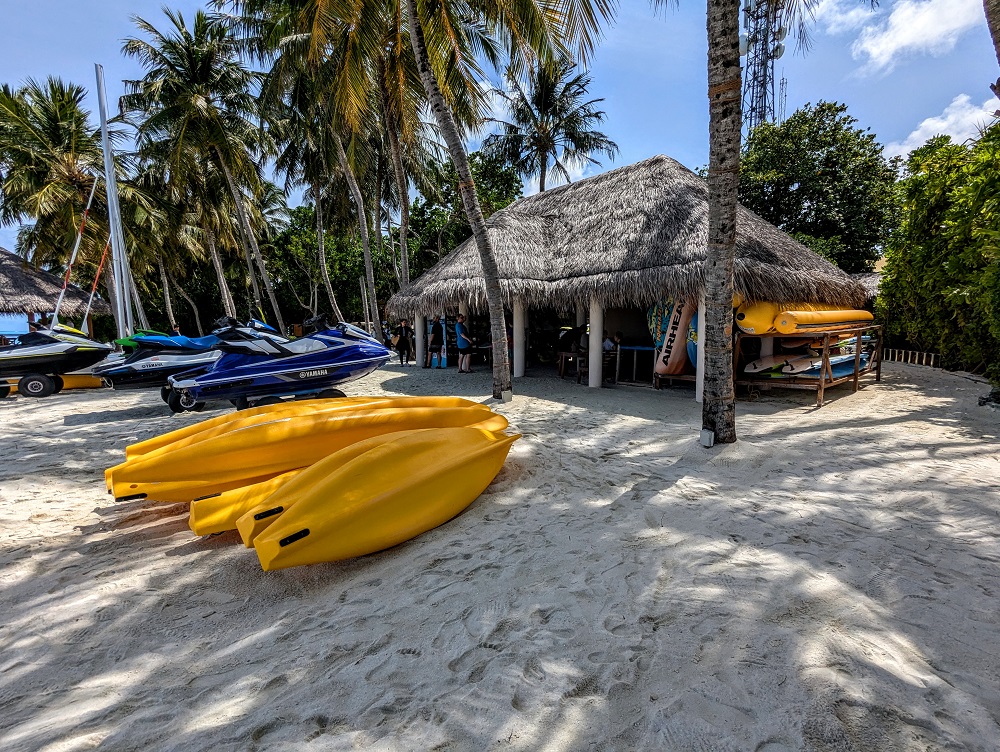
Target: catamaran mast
x,y
119,261
72,257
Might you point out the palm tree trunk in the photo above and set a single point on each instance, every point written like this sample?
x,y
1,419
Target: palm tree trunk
x,y
992,9
194,308
166,291
136,300
404,204
251,241
321,244
719,406
359,204
543,168
227,297
470,200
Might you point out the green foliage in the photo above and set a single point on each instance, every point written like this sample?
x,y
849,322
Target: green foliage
x,y
823,180
438,223
941,290
294,258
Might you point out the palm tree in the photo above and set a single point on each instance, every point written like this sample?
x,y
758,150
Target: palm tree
x,y
529,29
197,96
552,121
50,156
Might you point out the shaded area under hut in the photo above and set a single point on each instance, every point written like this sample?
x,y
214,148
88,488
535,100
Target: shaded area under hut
x,y
621,240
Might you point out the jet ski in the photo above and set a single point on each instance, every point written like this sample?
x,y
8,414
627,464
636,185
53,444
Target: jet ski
x,y
39,357
261,367
157,356
154,358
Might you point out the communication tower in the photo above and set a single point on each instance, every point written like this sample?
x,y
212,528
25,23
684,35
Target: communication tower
x,y
761,43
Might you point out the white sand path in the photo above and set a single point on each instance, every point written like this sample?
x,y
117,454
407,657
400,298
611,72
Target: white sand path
x,y
829,583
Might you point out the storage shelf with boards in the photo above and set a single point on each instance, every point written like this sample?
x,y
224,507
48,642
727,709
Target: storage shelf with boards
x,y
848,370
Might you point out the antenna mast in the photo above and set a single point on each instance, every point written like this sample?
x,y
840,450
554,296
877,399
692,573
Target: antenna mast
x,y
761,43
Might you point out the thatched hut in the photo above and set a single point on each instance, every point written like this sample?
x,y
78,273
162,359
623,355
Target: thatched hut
x,y
24,289
625,238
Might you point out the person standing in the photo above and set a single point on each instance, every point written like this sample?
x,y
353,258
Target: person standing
x,y
404,342
464,342
436,343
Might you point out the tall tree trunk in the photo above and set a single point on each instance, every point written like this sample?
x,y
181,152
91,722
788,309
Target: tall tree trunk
x,y
992,9
136,300
166,291
359,204
543,168
470,200
404,202
250,240
194,308
227,297
321,244
719,406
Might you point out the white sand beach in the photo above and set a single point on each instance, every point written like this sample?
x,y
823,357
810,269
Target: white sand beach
x,y
829,583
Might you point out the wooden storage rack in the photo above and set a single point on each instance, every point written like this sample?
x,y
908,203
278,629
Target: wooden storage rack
x,y
821,383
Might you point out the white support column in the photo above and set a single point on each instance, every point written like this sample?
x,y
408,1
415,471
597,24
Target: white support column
x,y
596,346
766,346
520,322
420,325
581,315
699,381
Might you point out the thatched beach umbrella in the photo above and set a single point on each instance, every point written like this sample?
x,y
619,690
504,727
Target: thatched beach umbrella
x,y
24,289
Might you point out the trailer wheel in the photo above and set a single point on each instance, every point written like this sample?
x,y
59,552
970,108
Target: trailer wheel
x,y
58,381
4,389
174,402
165,392
240,403
330,394
36,385
268,401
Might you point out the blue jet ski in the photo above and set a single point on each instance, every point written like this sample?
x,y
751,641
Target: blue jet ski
x,y
157,356
261,367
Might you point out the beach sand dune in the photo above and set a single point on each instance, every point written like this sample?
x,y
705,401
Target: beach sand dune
x,y
829,583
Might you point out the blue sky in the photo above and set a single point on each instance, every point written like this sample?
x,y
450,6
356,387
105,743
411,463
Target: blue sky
x,y
907,70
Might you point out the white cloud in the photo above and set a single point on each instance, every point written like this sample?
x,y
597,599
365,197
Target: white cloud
x,y
916,27
840,16
961,120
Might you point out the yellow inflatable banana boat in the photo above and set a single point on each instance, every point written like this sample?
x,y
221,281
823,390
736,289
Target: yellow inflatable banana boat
x,y
262,451
241,418
358,508
799,321
758,318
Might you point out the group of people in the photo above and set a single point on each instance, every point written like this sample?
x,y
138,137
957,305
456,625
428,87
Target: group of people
x,y
578,340
404,342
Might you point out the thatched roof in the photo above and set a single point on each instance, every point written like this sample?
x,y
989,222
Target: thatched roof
x,y
870,282
24,289
630,235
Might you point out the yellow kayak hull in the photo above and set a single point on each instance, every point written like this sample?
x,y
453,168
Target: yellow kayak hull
x,y
382,497
241,418
262,451
218,513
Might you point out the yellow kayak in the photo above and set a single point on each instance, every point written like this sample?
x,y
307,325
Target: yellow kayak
x,y
793,322
241,418
217,513
381,497
260,452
